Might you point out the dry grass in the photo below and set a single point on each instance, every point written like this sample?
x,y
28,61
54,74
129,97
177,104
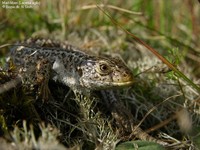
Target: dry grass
x,y
170,27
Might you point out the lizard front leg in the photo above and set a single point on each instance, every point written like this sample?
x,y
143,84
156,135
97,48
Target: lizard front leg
x,y
42,79
36,76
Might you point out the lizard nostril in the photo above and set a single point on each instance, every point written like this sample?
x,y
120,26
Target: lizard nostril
x,y
124,74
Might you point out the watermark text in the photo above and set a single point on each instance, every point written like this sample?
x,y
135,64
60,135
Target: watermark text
x,y
28,4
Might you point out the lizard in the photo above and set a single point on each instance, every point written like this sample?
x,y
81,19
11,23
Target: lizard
x,y
39,60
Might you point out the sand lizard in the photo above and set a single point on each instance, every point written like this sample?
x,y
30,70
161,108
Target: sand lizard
x,y
39,60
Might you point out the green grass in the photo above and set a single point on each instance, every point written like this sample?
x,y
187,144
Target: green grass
x,y
171,27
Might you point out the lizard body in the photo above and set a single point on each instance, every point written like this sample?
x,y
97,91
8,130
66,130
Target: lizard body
x,y
73,67
83,73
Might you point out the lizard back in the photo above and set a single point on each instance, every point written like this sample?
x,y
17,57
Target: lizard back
x,y
72,66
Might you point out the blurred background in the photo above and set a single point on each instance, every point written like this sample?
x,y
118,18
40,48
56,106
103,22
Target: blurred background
x,y
162,24
165,25
171,27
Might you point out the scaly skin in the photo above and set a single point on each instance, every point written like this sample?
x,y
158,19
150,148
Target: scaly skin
x,y
73,67
39,60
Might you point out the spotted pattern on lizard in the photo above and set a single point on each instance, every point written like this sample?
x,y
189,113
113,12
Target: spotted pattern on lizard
x,y
40,60
73,67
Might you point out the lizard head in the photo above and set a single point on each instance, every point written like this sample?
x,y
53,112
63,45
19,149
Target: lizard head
x,y
104,73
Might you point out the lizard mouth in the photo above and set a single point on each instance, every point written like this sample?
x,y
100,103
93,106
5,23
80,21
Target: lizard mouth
x,y
101,85
120,84
109,85
123,83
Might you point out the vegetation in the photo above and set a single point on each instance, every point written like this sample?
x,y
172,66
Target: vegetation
x,y
162,102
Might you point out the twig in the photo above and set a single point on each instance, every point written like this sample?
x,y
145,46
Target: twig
x,y
153,108
112,7
162,124
9,85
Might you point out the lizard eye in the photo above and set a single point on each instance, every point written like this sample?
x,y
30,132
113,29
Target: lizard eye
x,y
103,68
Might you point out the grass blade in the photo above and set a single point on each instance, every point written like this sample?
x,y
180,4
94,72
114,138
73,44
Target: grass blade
x,y
164,60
